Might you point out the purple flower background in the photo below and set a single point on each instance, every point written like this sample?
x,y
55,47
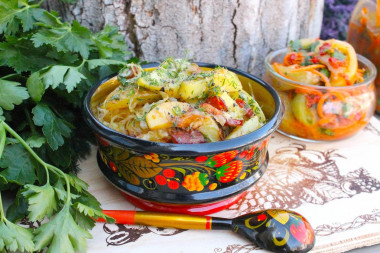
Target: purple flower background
x,y
336,16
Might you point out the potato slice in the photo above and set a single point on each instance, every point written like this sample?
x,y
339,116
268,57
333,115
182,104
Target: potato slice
x,y
163,114
152,81
248,99
210,129
249,126
227,80
119,98
233,108
194,88
103,90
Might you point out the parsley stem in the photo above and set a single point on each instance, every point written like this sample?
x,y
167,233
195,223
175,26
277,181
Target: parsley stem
x,y
31,151
2,216
30,122
2,138
82,63
38,4
10,75
58,171
26,146
2,145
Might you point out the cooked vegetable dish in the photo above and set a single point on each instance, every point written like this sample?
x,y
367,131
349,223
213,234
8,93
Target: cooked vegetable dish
x,y
323,100
177,102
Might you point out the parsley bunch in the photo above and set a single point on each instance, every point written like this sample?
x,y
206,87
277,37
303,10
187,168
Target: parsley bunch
x,y
46,68
62,198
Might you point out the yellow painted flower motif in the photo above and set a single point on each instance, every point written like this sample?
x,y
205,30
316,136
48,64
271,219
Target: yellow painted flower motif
x,y
153,157
192,182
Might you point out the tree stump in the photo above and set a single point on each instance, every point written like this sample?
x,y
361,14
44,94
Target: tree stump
x,y
234,33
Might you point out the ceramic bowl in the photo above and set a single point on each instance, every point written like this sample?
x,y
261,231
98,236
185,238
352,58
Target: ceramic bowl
x,y
320,113
187,178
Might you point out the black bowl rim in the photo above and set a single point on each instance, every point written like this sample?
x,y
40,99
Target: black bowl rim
x,y
145,146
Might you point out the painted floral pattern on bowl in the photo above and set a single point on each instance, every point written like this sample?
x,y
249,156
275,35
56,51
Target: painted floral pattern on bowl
x,y
183,173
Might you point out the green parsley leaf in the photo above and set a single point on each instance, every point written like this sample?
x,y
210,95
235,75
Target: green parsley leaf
x,y
3,180
62,234
19,165
53,127
63,156
35,86
18,209
110,43
79,40
314,45
8,22
77,183
86,207
295,45
15,238
338,55
15,52
65,38
92,64
16,12
36,141
41,200
28,16
176,110
306,60
68,75
60,190
1,114
11,94
325,71
91,212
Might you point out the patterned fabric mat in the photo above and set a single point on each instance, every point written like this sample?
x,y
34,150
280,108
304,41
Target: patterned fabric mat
x,y
335,185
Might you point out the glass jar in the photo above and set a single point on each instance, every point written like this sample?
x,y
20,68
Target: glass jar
x,y
364,35
320,113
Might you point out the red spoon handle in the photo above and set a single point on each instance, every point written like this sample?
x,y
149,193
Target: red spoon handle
x,y
121,217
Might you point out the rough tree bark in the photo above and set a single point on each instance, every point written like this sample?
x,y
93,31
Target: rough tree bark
x,y
235,33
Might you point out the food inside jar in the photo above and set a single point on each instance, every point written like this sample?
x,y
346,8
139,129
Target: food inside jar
x,y
321,88
364,35
177,102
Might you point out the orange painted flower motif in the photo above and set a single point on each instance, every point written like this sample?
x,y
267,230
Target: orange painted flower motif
x,y
153,157
192,182
212,186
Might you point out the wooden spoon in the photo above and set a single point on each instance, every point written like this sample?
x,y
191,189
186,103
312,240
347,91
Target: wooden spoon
x,y
276,230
